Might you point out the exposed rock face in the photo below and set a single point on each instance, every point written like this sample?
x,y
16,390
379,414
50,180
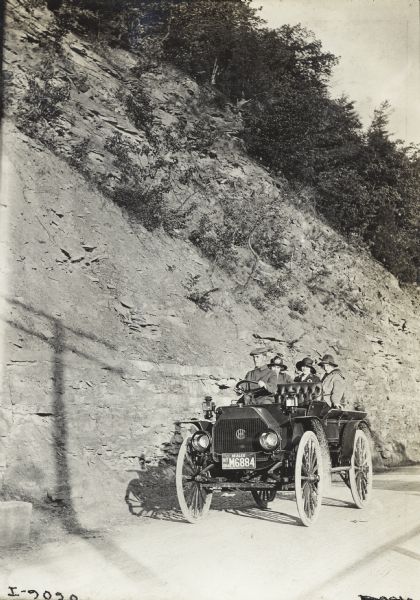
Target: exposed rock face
x,y
102,351
101,354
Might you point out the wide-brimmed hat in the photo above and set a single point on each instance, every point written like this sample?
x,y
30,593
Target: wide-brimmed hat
x,y
260,350
277,361
328,359
306,362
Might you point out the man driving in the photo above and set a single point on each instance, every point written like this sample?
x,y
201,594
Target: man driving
x,y
261,369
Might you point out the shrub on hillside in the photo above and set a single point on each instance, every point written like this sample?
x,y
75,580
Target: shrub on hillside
x,y
268,243
259,303
79,154
202,134
120,149
142,188
144,206
216,241
40,106
298,305
198,295
106,22
273,290
141,191
138,105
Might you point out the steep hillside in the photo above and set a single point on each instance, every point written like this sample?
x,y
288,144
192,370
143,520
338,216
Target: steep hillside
x,y
113,329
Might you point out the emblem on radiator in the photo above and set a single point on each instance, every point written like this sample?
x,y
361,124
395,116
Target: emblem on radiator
x,y
240,434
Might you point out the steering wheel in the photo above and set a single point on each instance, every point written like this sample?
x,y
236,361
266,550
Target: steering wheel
x,y
250,391
247,386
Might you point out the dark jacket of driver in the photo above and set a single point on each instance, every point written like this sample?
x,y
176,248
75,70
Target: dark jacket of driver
x,y
258,373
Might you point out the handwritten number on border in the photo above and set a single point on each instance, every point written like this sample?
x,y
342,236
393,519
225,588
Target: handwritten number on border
x,y
47,595
11,588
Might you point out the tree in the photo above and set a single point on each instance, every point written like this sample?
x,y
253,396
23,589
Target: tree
x,y
365,183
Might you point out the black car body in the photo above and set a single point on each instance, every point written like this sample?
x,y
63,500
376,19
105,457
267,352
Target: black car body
x,y
266,443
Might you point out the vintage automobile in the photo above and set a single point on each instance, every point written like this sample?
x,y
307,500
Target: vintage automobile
x,y
262,443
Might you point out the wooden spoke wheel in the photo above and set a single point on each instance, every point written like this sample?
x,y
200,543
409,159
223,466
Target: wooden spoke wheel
x,y
360,474
194,500
345,477
308,478
263,497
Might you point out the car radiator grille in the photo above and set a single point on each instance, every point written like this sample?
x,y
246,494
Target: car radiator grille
x,y
225,435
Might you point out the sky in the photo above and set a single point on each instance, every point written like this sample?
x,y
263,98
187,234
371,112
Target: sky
x,y
378,43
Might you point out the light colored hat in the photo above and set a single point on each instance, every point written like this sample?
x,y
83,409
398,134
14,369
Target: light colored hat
x,y
261,350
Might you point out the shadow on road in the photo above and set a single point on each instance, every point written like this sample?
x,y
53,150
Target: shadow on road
x,y
265,515
153,495
337,503
146,496
407,552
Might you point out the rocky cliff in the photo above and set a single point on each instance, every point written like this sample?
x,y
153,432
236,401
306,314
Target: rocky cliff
x,y
111,331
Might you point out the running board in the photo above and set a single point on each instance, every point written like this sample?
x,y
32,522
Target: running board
x,y
229,485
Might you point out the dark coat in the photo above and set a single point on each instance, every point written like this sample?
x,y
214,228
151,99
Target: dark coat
x,y
258,373
311,378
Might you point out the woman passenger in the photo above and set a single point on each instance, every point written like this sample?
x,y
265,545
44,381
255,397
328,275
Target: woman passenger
x,y
307,371
276,375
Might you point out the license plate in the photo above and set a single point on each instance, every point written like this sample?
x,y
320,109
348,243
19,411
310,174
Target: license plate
x,y
240,460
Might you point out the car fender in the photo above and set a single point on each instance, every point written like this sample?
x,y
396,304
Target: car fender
x,y
347,439
200,424
300,425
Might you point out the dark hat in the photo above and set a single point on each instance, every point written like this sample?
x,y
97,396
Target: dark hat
x,y
261,350
277,361
306,362
328,359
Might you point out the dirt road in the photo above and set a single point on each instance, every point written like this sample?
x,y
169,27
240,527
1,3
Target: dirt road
x,y
242,553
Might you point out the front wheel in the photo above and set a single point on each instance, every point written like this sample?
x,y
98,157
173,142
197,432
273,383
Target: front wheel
x,y
308,478
360,474
194,499
263,497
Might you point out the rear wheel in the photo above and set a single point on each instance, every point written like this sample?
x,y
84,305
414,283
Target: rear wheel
x,y
308,478
326,458
263,497
194,500
345,477
360,474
